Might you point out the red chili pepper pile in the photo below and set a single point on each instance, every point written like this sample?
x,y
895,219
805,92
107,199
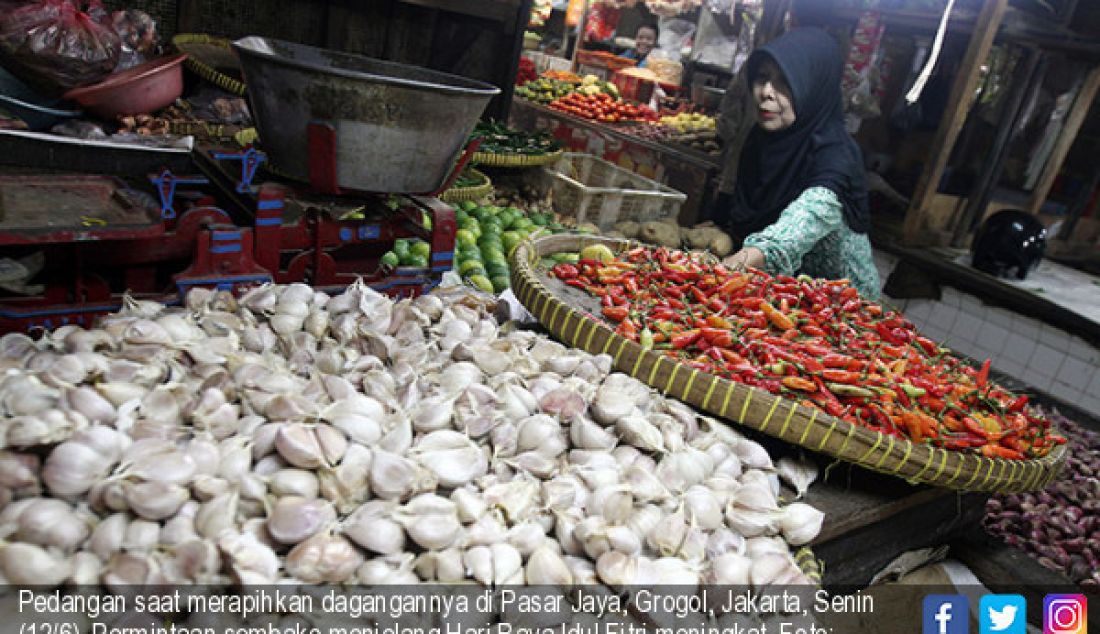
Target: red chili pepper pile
x,y
815,341
603,107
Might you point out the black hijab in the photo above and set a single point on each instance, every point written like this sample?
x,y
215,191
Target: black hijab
x,y
817,151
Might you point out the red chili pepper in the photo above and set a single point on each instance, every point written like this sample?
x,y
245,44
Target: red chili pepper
x,y
1018,404
685,339
799,383
778,319
812,330
983,374
564,271
616,313
717,336
840,376
997,451
628,329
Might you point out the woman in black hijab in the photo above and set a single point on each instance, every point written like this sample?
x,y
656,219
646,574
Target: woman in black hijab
x,y
800,201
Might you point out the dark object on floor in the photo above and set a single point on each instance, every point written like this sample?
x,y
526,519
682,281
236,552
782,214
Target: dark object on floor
x,y
911,281
1009,239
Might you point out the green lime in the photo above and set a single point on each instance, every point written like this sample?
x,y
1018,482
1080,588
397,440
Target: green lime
x,y
470,265
426,220
501,282
470,252
507,218
481,283
401,248
567,258
465,238
390,260
420,248
495,269
419,261
490,239
460,217
539,219
472,226
467,205
491,225
510,239
523,223
493,250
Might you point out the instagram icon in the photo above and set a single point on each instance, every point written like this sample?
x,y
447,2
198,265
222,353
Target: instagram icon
x,y
1065,614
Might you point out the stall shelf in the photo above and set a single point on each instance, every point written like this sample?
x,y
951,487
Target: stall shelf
x,y
681,168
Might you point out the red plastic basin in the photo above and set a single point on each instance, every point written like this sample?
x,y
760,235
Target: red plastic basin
x,y
142,89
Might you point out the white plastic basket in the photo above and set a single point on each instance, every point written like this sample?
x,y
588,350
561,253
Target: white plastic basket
x,y
602,193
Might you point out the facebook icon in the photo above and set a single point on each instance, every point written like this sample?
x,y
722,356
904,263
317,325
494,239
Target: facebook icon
x,y
946,614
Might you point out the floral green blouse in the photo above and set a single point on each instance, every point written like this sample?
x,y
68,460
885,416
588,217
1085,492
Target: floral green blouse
x,y
811,237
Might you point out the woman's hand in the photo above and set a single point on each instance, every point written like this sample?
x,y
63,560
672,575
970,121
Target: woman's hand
x,y
749,257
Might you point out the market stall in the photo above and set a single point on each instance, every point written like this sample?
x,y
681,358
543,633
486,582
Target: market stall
x,y
376,341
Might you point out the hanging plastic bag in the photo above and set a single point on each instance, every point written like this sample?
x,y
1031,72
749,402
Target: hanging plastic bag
x,y
54,46
138,34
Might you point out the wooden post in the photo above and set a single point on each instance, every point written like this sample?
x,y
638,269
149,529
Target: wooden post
x,y
1027,77
1066,137
919,217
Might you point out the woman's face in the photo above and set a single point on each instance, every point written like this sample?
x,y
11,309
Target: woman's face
x,y
774,107
644,40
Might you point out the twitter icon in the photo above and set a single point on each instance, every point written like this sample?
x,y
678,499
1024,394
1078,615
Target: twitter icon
x,y
1002,614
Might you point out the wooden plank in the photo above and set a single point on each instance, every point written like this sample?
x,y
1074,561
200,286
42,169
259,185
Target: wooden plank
x,y
357,28
188,15
919,217
496,10
410,33
1066,138
871,518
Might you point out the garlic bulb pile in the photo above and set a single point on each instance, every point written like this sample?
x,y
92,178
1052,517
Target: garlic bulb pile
x,y
290,435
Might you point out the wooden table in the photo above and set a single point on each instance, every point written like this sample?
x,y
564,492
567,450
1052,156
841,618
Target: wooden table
x,y
872,518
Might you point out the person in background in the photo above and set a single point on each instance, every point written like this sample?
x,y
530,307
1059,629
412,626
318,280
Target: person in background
x,y
800,199
645,39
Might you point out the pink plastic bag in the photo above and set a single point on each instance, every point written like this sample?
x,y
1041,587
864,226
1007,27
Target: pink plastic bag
x,y
54,46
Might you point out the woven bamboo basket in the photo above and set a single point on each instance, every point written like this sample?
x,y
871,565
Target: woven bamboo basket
x,y
474,192
203,54
779,417
515,160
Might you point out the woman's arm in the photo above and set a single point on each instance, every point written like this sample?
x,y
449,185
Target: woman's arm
x,y
812,216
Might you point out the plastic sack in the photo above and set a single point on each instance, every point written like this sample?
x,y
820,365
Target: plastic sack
x,y
138,34
54,46
676,34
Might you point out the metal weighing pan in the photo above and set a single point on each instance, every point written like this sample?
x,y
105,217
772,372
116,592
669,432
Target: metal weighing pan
x,y
398,128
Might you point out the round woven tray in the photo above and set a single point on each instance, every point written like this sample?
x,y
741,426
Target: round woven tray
x,y
205,55
775,416
515,160
475,192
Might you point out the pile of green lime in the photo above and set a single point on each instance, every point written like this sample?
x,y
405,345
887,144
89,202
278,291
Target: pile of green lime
x,y
408,252
487,235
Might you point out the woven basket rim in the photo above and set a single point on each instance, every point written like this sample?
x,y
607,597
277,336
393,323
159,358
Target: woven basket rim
x,y
462,194
785,418
204,70
516,160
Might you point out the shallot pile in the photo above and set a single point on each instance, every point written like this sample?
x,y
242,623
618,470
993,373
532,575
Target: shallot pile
x,y
290,435
1060,525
